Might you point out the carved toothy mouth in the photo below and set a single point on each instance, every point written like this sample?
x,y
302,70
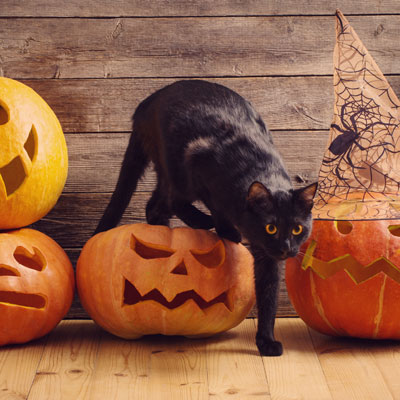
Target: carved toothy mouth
x,y
357,272
14,173
132,297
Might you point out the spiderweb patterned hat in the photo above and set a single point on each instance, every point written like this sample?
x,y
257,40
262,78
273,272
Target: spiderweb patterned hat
x,y
360,172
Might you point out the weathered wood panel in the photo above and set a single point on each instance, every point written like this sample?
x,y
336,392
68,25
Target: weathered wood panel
x,y
129,8
188,47
100,156
107,105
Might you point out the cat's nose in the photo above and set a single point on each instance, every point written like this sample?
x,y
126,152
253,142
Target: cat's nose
x,y
285,248
284,255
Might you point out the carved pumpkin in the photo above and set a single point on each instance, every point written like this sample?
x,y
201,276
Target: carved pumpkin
x,y
141,279
33,156
348,282
36,285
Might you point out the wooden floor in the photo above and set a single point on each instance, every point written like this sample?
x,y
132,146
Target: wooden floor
x,y
80,361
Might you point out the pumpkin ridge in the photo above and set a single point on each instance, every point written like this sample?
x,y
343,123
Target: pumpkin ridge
x,y
318,304
378,316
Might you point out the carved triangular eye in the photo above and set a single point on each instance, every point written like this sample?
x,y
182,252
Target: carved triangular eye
x,y
30,144
13,175
4,115
212,258
150,251
16,171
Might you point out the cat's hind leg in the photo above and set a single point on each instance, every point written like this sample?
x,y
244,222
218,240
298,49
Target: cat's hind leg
x,y
192,216
225,229
158,211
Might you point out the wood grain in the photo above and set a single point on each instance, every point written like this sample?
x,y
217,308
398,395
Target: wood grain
x,y
107,105
68,362
82,362
145,368
129,8
234,366
18,366
298,365
351,369
185,47
100,156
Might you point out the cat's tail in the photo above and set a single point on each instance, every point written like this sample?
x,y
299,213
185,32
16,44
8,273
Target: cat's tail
x,y
132,169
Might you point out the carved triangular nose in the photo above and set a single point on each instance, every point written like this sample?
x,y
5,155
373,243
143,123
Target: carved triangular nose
x,y
180,269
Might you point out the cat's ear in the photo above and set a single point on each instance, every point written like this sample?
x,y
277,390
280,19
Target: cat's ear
x,y
257,193
306,194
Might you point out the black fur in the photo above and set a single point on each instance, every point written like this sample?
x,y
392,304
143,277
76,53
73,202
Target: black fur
x,y
208,143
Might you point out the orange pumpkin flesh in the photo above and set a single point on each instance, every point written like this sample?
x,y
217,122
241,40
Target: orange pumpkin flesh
x,y
33,156
140,279
36,285
348,282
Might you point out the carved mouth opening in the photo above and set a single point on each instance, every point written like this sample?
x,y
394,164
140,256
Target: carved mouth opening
x,y
15,172
357,272
22,299
132,296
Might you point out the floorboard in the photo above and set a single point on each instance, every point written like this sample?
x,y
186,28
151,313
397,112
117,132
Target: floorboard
x,y
79,361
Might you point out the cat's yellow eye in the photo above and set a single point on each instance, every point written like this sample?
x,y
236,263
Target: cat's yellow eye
x,y
297,230
271,229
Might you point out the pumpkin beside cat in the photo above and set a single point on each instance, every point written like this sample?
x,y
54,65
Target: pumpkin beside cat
x,y
208,143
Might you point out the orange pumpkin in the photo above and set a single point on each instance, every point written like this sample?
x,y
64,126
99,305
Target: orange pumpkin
x,y
348,282
33,156
141,279
36,285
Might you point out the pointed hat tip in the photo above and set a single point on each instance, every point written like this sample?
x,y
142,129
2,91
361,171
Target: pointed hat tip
x,y
341,21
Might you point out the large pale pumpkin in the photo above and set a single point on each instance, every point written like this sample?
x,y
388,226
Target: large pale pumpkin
x,y
140,279
36,285
33,156
348,282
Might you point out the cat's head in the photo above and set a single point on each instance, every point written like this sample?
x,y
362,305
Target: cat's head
x,y
280,221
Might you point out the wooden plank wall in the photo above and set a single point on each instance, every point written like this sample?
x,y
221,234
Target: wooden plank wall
x,y
95,61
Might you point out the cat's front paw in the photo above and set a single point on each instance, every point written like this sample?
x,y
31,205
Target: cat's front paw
x,y
269,348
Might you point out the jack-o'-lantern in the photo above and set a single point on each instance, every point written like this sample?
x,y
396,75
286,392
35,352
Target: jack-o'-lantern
x,y
347,279
348,282
141,279
36,285
33,156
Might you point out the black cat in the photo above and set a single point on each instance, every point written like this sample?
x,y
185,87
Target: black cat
x,y
208,143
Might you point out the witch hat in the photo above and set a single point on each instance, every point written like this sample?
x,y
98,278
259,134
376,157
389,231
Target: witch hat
x,y
360,172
